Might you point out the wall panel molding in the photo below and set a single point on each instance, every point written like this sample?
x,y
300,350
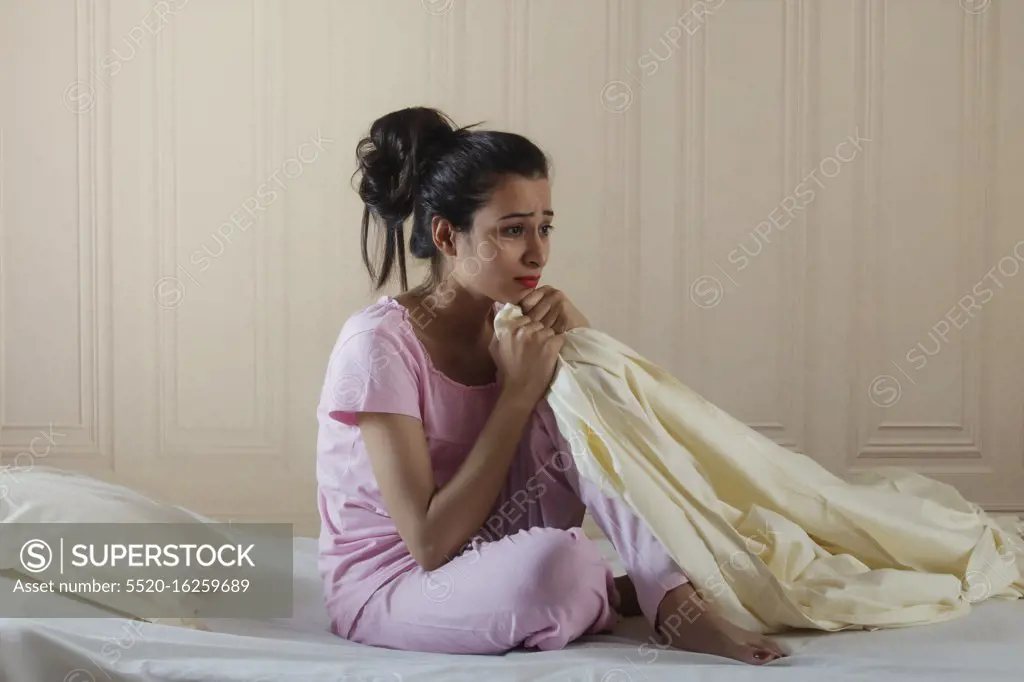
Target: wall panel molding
x,y
3,290
622,171
868,45
89,441
688,209
273,314
165,130
265,438
517,71
800,45
900,439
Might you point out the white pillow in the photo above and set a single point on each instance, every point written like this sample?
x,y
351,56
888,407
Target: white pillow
x,y
43,494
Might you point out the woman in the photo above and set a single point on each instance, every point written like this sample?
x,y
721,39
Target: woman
x,y
450,507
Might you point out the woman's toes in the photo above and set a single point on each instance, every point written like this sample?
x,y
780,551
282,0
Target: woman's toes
x,y
751,653
773,646
764,650
759,656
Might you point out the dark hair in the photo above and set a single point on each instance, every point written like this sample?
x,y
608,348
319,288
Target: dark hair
x,y
417,162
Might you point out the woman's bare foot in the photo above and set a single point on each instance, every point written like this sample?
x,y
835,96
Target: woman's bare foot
x,y
624,598
690,624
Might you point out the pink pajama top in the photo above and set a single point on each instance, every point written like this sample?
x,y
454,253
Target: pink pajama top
x,y
378,364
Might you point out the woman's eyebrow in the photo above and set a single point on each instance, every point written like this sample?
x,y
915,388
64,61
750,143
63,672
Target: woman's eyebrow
x,y
525,215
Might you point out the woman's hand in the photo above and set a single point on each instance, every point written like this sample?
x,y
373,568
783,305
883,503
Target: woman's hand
x,y
552,308
526,357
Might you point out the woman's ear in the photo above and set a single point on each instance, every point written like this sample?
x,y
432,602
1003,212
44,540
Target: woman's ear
x,y
443,234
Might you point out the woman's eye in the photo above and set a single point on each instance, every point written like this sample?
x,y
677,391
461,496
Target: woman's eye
x,y
516,230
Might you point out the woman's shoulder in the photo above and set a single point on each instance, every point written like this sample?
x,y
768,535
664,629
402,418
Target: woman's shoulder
x,y
381,329
385,317
374,366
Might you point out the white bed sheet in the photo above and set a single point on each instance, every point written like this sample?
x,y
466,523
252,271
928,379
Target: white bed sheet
x,y
987,645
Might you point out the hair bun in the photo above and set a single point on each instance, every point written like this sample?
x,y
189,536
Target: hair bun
x,y
395,155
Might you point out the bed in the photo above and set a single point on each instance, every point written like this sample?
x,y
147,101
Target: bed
x,y
986,645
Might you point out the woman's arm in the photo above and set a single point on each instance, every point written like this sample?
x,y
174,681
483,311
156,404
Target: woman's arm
x,y
436,522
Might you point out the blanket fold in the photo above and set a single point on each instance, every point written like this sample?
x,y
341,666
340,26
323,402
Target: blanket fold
x,y
767,535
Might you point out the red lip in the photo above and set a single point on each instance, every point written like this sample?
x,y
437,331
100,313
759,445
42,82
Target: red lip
x,y
528,281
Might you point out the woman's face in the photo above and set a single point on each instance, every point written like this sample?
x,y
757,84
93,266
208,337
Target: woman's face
x,y
509,240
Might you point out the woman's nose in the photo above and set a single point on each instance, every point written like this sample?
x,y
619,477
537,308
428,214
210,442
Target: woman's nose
x,y
536,252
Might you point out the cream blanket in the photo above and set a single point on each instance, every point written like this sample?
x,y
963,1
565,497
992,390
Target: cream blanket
x,y
769,536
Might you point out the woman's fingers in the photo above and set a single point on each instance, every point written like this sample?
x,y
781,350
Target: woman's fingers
x,y
520,324
530,298
554,341
530,328
561,325
535,327
528,325
541,310
551,319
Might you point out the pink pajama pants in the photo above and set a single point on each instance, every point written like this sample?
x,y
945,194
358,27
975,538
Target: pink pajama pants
x,y
530,578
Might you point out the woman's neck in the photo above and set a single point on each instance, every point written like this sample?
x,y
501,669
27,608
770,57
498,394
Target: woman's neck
x,y
452,312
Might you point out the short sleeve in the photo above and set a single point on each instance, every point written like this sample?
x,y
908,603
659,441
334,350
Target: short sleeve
x,y
372,370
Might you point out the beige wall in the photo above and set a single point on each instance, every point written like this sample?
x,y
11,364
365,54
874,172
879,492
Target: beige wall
x,y
785,202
